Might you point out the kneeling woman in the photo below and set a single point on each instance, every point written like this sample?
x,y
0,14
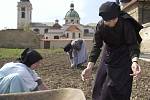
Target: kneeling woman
x,y
20,76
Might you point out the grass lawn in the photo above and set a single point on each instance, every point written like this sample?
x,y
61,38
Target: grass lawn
x,y
15,53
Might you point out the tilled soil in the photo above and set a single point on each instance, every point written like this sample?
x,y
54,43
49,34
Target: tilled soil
x,y
56,72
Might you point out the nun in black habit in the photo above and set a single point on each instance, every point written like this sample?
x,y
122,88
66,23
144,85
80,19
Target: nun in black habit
x,y
119,62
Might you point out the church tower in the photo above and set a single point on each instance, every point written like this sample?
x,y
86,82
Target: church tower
x,y
24,14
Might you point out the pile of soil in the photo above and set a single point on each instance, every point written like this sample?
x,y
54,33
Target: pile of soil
x,y
56,72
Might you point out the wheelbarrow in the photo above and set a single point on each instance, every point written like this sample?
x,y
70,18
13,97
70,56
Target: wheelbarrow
x,y
55,94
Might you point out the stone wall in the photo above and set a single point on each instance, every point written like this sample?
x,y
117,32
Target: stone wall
x,y
60,43
13,38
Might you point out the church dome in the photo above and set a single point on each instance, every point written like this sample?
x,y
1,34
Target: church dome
x,y
72,13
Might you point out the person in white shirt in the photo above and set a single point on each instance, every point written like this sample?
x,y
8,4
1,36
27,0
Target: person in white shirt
x,y
20,76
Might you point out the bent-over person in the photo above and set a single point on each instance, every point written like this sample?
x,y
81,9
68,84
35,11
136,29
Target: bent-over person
x,y
19,76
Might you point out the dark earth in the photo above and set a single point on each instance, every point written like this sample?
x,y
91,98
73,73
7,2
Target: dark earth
x,y
56,72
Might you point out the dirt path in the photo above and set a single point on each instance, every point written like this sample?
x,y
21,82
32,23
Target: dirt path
x,y
56,73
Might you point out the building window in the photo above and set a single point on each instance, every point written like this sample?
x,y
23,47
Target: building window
x,y
36,30
86,31
77,21
67,35
72,20
79,35
66,21
23,12
46,31
23,9
56,37
73,35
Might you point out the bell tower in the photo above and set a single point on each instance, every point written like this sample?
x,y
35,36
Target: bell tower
x,y
24,14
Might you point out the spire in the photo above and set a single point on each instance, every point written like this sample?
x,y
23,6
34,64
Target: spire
x,y
56,21
72,6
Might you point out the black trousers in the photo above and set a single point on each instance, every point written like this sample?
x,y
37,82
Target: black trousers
x,y
113,83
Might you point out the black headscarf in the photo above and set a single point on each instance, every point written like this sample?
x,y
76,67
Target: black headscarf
x,y
29,57
109,10
68,47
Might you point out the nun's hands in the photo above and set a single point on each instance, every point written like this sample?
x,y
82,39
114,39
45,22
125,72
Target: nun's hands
x,y
136,69
87,72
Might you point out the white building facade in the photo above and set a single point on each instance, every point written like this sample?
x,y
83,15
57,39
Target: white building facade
x,y
70,30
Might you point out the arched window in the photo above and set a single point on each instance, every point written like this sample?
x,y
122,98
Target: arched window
x,y
86,31
66,21
23,12
46,31
36,30
73,35
67,35
72,20
79,35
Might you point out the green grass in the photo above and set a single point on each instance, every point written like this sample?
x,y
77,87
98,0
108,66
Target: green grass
x,y
9,53
15,53
50,51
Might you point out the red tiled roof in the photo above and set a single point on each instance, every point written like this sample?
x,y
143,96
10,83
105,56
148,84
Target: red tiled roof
x,y
73,28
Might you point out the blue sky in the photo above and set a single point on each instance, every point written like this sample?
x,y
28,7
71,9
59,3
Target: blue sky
x,y
49,10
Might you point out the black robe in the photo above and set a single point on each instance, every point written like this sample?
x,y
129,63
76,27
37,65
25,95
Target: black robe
x,y
113,80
